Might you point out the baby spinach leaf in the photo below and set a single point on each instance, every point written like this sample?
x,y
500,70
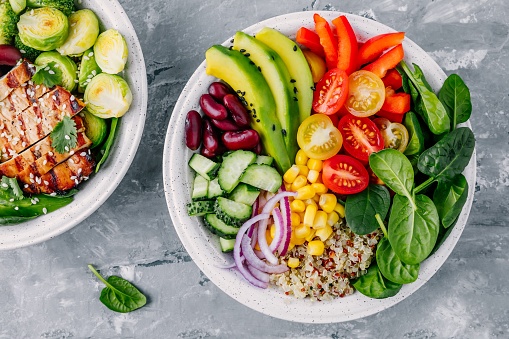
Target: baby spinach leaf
x,y
394,169
374,285
413,231
455,96
361,208
416,138
392,267
449,198
427,103
106,147
119,295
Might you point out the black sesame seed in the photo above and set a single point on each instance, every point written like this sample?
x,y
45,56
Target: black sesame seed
x,y
230,48
273,127
313,88
293,81
251,105
254,111
257,120
295,99
242,50
251,63
247,54
284,132
273,57
231,41
259,68
295,48
295,90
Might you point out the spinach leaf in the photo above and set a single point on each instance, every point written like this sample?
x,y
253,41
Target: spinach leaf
x,y
449,198
413,231
416,138
394,169
392,267
119,295
427,103
455,96
374,285
361,208
106,147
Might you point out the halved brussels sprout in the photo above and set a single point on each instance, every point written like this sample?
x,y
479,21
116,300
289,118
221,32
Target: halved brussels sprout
x,y
111,51
43,28
83,32
87,70
65,68
108,96
95,128
18,5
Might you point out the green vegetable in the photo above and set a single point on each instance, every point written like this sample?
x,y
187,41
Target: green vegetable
x,y
18,5
83,33
106,147
416,139
427,103
108,96
65,6
111,51
47,75
62,66
361,208
455,96
43,28
27,52
413,228
374,285
64,135
95,128
119,295
449,198
392,267
87,70
8,20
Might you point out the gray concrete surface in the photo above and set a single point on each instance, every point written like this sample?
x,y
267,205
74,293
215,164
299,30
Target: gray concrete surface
x,y
46,290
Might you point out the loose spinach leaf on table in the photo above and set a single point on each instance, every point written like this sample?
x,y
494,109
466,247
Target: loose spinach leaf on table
x,y
449,198
455,96
361,208
392,267
119,295
394,169
374,285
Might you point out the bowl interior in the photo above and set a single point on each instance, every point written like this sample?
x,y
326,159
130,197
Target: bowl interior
x,y
204,248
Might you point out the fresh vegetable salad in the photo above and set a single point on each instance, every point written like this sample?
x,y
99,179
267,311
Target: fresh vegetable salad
x,y
62,98
327,165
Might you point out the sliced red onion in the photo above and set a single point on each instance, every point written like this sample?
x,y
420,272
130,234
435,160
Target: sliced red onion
x,y
280,229
284,204
257,263
227,266
262,276
254,237
259,254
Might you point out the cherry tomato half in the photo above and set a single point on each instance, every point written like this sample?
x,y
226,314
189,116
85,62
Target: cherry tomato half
x,y
331,92
361,136
344,175
395,135
366,94
318,137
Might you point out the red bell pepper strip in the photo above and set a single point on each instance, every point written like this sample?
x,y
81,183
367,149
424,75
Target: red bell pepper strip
x,y
386,62
393,79
397,103
327,40
374,47
310,39
347,45
393,117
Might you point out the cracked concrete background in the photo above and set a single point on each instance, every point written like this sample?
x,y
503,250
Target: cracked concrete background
x,y
46,290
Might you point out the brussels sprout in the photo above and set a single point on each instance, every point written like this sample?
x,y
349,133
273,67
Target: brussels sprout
x,y
27,52
84,29
18,5
108,96
65,68
95,128
43,28
8,20
88,70
65,6
110,51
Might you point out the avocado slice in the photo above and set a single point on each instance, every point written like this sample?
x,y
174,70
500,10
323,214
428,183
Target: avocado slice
x,y
274,71
296,64
243,76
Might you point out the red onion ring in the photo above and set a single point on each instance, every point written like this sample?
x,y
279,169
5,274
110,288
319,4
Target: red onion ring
x,y
257,263
260,275
280,230
284,204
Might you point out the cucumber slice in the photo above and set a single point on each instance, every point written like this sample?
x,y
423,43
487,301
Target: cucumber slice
x,y
232,167
226,244
263,177
199,208
264,160
200,188
203,166
216,226
214,189
245,194
231,212
95,128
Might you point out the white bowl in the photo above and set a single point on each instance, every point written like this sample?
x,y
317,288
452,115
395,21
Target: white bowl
x,y
93,193
203,247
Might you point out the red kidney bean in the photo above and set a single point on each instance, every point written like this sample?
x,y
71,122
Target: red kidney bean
x,y
212,108
193,130
237,110
9,55
218,90
258,148
225,125
207,153
210,139
246,139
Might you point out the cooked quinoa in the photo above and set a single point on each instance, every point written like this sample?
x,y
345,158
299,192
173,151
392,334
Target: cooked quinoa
x,y
346,256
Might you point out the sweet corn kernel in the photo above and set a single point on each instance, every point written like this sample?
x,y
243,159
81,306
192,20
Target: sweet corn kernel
x,y
315,247
291,174
313,176
319,180
301,214
304,170
288,186
311,235
295,219
296,240
301,158
298,206
302,231
315,164
291,245
320,220
299,182
332,218
311,202
327,202
340,209
316,198
319,188
306,192
309,215
324,233
293,262
272,231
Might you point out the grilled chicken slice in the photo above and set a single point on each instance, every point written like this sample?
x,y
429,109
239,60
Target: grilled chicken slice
x,y
64,176
16,77
19,100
